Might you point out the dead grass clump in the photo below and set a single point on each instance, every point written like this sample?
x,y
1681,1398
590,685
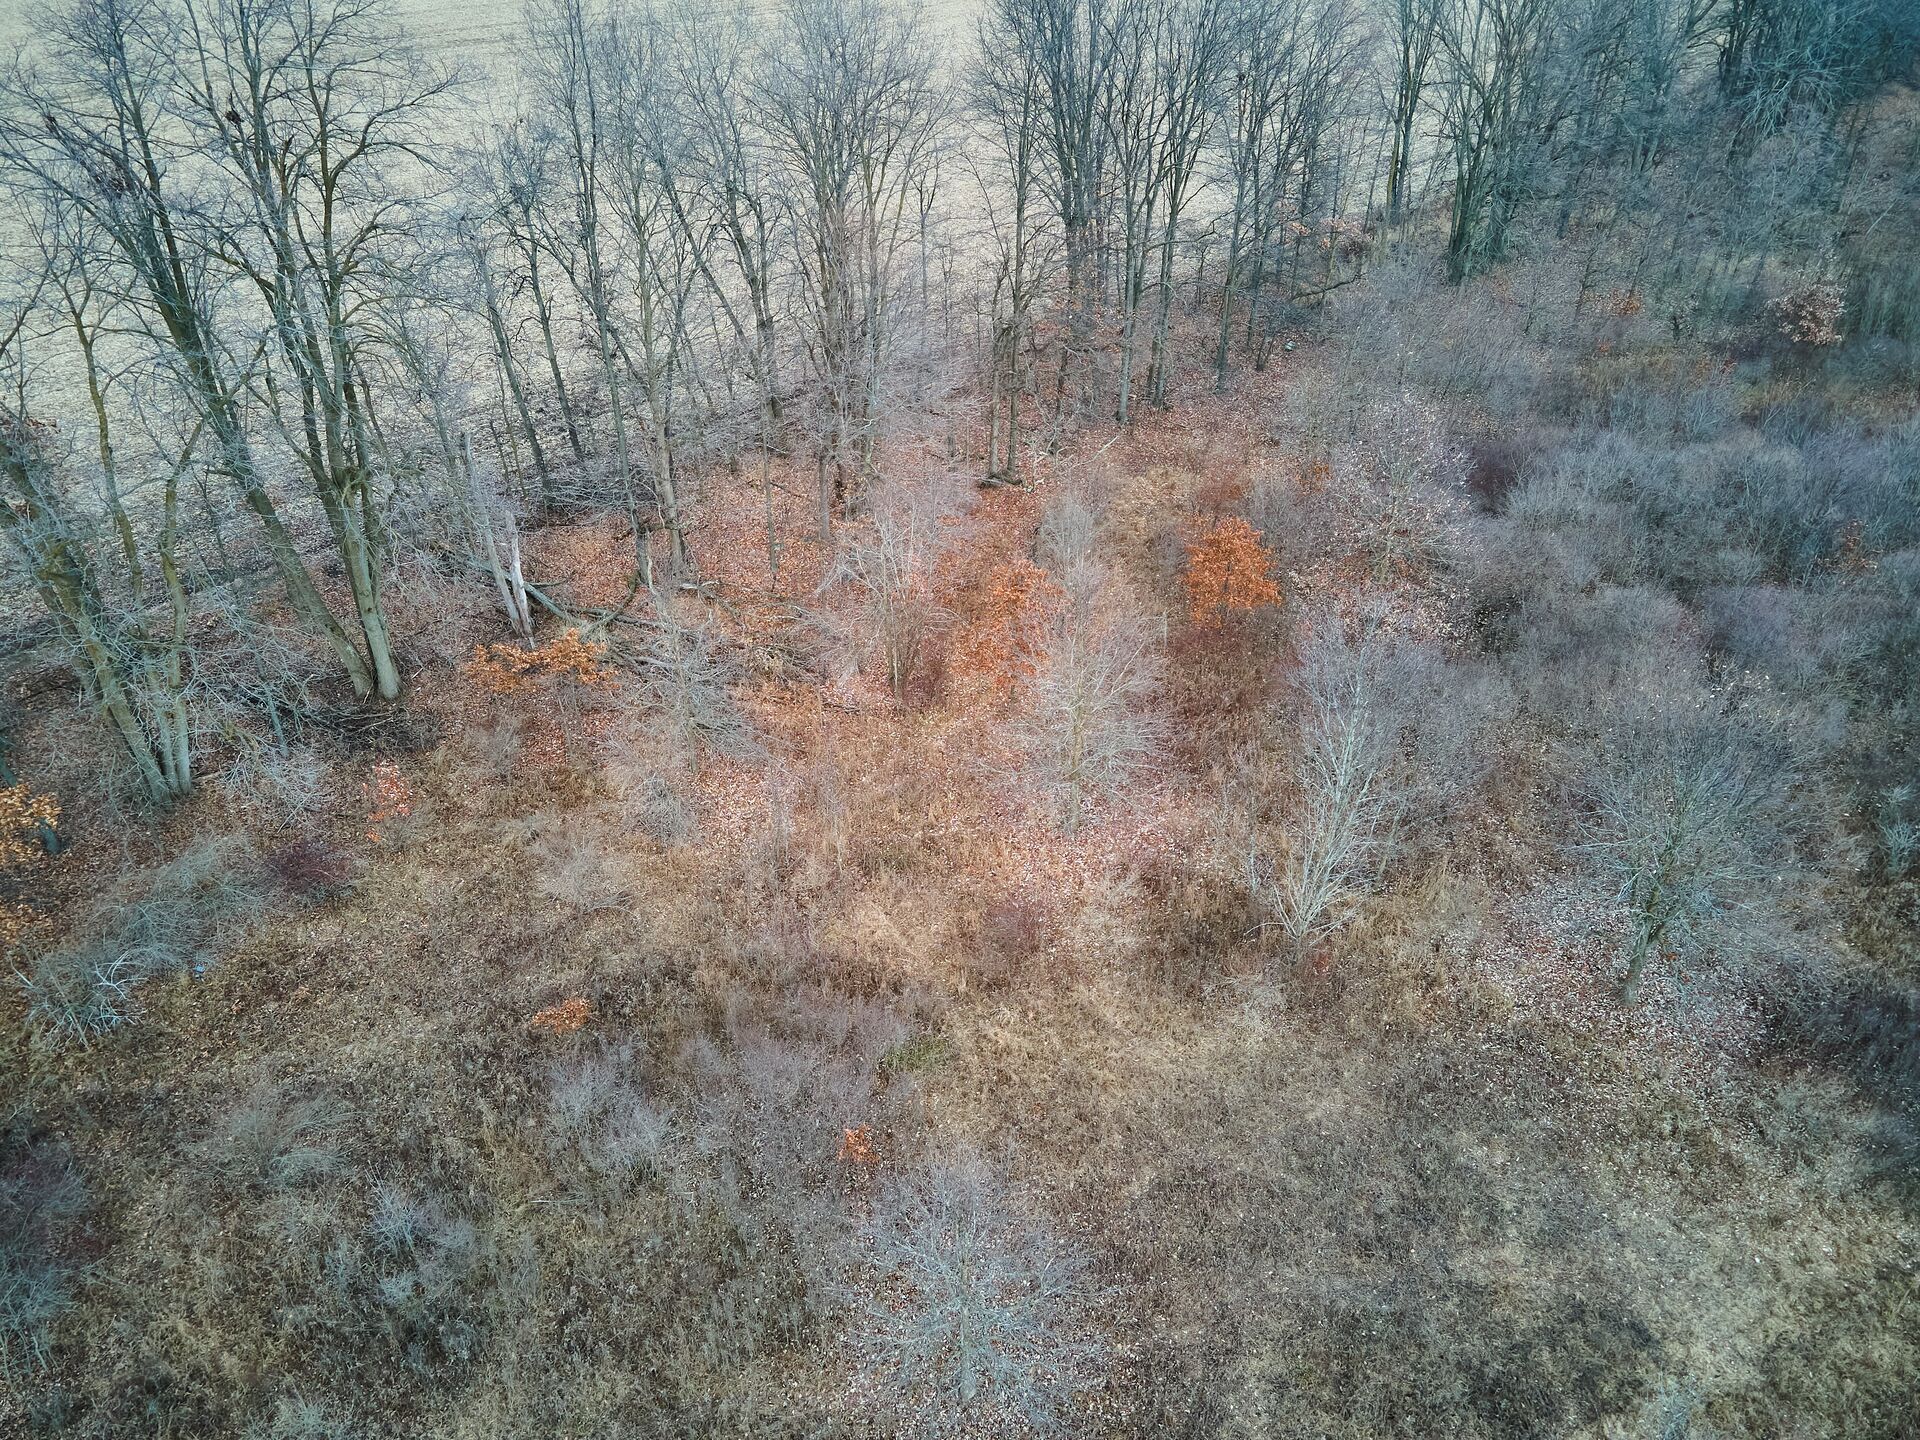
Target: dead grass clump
x,y
1867,1026
1222,684
276,1139
41,1201
310,869
1397,969
1203,928
1010,941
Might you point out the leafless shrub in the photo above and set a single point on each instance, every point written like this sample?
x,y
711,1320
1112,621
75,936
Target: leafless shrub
x,y
1344,797
769,1109
1687,795
1570,646
280,785
662,814
976,1310
275,1140
40,1200
1406,486
75,995
1389,737
1066,534
496,745
647,773
415,1275
1089,732
293,1418
1673,1413
690,679
598,1116
175,917
891,568
1898,832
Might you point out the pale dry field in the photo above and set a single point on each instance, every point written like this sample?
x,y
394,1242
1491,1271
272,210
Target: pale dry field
x,y
479,35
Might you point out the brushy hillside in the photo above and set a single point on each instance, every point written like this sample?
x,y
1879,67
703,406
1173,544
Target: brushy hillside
x,y
1360,881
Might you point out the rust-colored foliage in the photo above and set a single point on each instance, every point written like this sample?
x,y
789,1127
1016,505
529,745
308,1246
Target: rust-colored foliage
x,y
1001,643
388,796
565,1018
504,669
1228,570
856,1147
1811,315
22,813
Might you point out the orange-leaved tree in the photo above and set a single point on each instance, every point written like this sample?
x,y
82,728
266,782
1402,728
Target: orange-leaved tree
x,y
1228,570
1002,642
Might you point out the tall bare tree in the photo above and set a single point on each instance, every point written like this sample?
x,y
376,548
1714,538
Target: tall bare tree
x,y
108,127
854,113
314,112
113,583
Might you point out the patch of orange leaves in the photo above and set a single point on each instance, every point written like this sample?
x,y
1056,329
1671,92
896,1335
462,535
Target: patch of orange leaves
x,y
388,797
503,669
565,1018
856,1147
1000,644
1228,570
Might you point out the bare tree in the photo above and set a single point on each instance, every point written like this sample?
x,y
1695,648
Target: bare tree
x,y
109,129
664,260
975,1308
854,114
1090,732
1343,801
891,570
1413,33
1070,45
113,585
1687,800
1779,55
722,196
1191,60
1289,75
519,179
598,76
1495,112
1008,99
313,112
